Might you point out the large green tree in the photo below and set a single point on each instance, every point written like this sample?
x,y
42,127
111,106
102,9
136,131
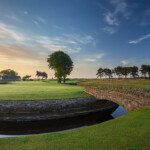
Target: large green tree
x,y
61,63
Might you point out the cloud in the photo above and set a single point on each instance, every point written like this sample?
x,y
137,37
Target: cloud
x,y
56,27
99,56
112,17
94,57
23,60
25,12
90,59
124,62
80,39
9,33
140,39
120,8
18,51
110,30
70,43
85,66
38,20
12,17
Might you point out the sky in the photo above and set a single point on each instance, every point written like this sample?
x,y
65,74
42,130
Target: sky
x,y
94,33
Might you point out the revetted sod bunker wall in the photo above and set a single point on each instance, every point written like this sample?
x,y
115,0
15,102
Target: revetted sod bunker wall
x,y
131,99
52,109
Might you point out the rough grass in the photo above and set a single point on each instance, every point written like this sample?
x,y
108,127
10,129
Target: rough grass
x,y
118,83
131,131
39,90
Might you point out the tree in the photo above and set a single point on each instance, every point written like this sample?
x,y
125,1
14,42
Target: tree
x,y
41,74
118,71
148,70
134,71
44,75
100,73
1,76
126,71
61,63
9,74
108,72
144,70
122,71
26,77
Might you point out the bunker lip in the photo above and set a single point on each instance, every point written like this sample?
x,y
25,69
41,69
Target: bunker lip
x,y
19,111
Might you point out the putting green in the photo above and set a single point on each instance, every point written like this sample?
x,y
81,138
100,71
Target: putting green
x,y
39,90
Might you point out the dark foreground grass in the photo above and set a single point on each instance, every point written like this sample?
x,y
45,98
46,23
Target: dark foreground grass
x,y
130,132
39,90
118,83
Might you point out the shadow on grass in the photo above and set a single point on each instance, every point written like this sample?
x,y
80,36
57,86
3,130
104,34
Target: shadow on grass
x,y
5,82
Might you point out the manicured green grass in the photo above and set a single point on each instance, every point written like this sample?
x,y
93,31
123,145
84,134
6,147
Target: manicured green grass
x,y
119,83
39,90
128,132
131,131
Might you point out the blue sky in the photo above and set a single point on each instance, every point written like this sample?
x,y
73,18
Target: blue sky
x,y
95,33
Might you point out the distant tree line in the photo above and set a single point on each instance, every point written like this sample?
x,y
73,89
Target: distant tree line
x,y
124,72
9,75
39,75
26,78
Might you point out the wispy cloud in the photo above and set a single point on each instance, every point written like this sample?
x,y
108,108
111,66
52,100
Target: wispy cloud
x,y
120,8
12,17
94,57
56,27
67,42
111,19
38,21
9,33
114,16
110,30
90,59
18,54
23,59
140,39
80,39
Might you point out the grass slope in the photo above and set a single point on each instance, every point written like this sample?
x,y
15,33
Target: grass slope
x,y
39,90
128,132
